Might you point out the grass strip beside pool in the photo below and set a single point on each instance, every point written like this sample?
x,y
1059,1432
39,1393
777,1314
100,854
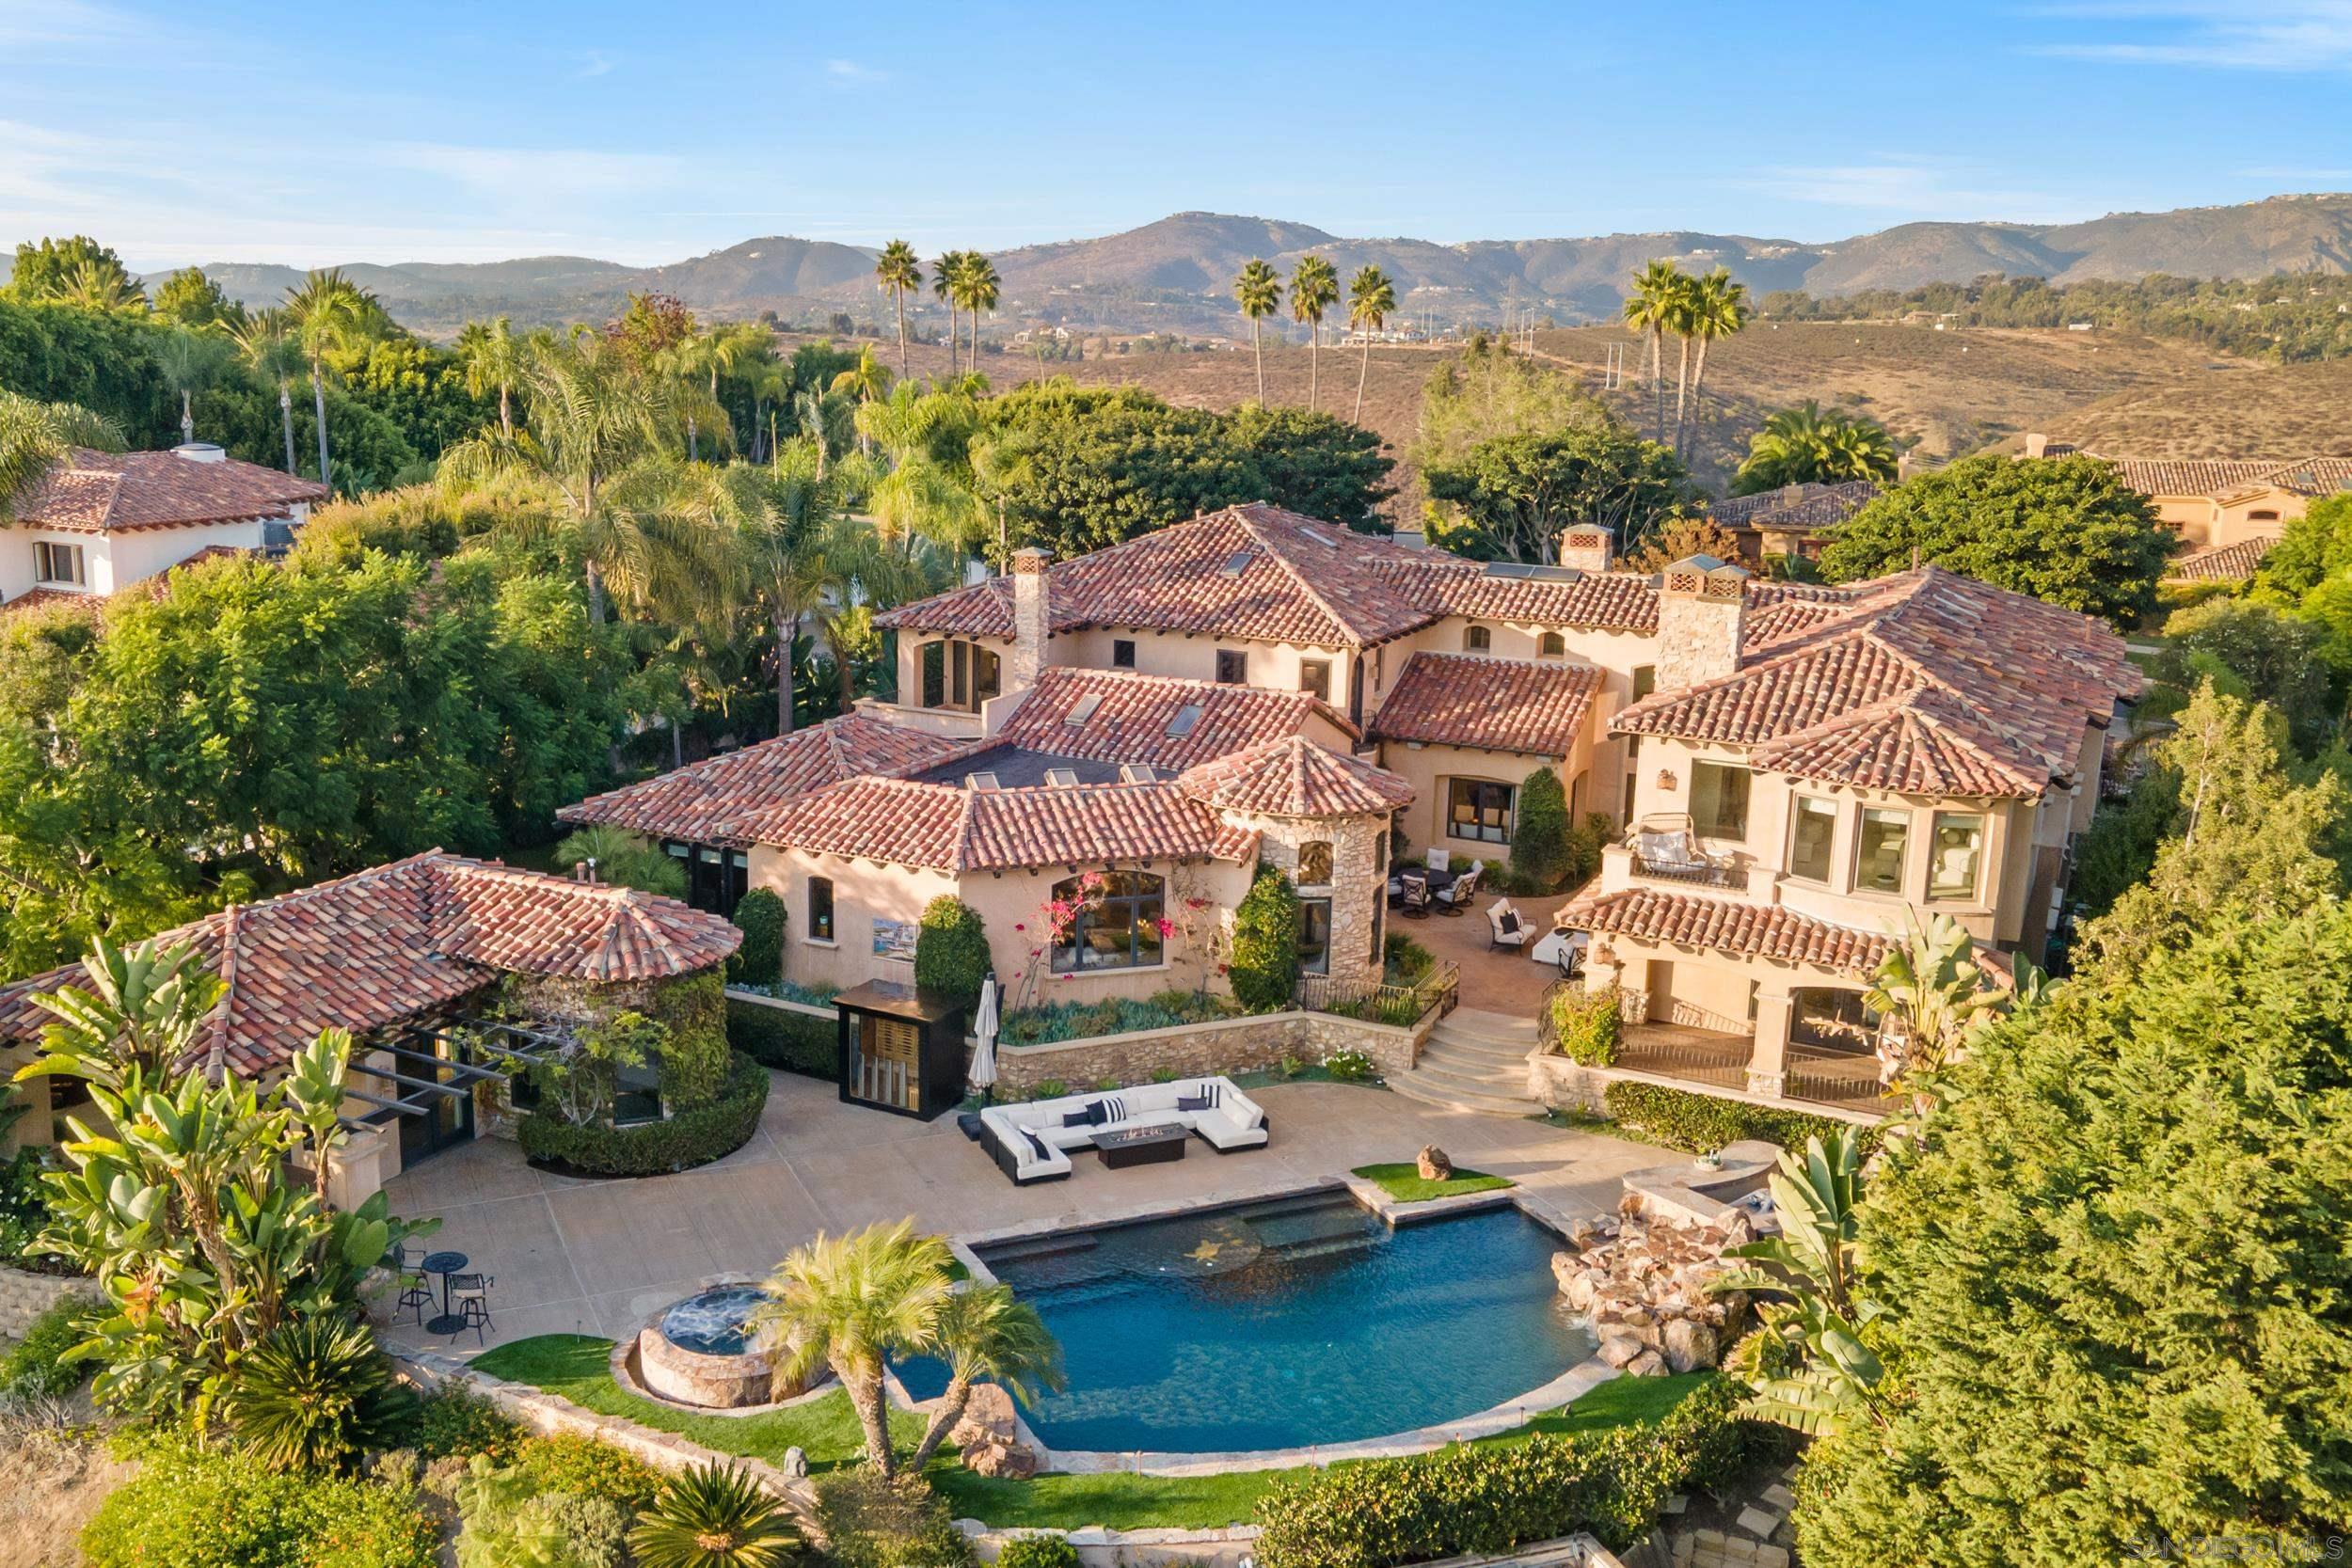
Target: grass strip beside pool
x,y
576,1366
1404,1183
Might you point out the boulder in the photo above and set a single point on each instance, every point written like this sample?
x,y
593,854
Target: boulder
x,y
1582,1289
987,1418
795,1465
1619,1350
1435,1164
1002,1461
1566,1266
1690,1346
1649,1364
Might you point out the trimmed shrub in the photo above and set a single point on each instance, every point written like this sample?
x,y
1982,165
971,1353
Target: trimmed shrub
x,y
692,1008
952,954
1539,837
453,1422
1703,1123
1078,1021
1587,1026
1264,961
786,1040
34,1369
1406,960
689,1138
1042,1550
901,1523
1490,1500
188,1509
759,916
566,1462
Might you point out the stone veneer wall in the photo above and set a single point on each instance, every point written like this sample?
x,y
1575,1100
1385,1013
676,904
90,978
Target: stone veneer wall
x,y
1561,1085
25,1296
1203,1049
1358,888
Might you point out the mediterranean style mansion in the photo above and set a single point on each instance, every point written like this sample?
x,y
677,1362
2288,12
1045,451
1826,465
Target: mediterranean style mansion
x,y
1098,755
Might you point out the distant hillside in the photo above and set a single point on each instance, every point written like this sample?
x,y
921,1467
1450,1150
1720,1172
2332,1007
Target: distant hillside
x,y
1176,273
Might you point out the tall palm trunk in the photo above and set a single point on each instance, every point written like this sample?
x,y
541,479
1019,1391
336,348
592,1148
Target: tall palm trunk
x,y
786,627
187,415
285,415
597,604
318,399
1362,375
865,1394
943,1418
1657,384
1698,382
1682,377
693,454
901,294
1314,363
1257,349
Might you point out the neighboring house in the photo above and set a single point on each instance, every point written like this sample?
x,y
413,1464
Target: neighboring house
x,y
2228,512
1793,520
98,522
397,955
1258,687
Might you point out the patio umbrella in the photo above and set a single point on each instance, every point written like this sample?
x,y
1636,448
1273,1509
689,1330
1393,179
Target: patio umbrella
x,y
983,1073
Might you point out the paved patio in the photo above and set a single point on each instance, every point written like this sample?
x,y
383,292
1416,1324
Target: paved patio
x,y
584,1256
1497,980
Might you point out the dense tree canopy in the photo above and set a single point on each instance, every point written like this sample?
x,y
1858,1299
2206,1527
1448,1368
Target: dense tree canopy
x,y
2067,531
1508,498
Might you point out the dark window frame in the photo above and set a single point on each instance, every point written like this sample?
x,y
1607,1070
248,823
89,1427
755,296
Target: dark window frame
x,y
821,921
1237,661
1314,678
1314,950
1127,900
1122,653
1491,804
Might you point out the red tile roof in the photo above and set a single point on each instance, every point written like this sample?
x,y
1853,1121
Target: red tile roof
x,y
98,492
1606,601
34,599
1926,676
1132,715
1494,705
708,802
1692,919
2221,562
1294,777
399,939
948,828
1796,507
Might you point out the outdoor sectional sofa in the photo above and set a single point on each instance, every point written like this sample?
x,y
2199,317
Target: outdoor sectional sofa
x,y
1031,1142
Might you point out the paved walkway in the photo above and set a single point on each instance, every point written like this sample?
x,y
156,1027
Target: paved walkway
x,y
582,1257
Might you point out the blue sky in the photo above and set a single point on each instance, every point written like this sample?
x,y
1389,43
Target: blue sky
x,y
644,134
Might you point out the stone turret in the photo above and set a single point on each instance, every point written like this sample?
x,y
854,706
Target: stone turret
x,y
1702,613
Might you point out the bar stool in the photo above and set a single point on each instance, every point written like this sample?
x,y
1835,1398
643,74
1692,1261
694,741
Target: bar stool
x,y
469,1298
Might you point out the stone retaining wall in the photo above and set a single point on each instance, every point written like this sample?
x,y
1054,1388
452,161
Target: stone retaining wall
x,y
25,1296
1200,1050
1561,1085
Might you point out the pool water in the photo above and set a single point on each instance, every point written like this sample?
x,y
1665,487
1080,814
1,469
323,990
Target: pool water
x,y
1285,1323
713,1321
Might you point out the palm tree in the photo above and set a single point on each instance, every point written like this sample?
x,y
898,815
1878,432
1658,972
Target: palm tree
x,y
1314,288
1717,308
898,271
34,434
189,361
1807,444
1259,292
865,381
265,343
327,312
979,282
493,356
1649,310
851,1303
710,1517
983,1333
1369,299
943,272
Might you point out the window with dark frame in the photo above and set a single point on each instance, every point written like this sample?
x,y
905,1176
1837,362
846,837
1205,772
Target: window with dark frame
x,y
1478,809
1122,653
1718,800
1314,936
1233,667
820,909
716,877
1314,678
1116,926
1478,640
57,562
933,657
1551,645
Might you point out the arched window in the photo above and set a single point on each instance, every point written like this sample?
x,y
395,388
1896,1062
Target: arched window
x,y
1115,920
2264,516
1478,640
1551,645
1314,863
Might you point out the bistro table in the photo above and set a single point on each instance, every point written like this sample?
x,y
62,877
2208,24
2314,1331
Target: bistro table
x,y
1438,881
444,1264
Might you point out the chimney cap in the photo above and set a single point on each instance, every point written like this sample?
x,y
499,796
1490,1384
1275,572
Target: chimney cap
x,y
200,451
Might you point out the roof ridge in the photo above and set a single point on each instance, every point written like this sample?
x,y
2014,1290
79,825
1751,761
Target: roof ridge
x,y
216,1048
1253,526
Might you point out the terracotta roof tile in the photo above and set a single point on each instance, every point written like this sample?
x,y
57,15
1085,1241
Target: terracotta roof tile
x,y
1761,931
2164,476
1132,716
34,599
392,943
97,492
1294,777
1606,601
2221,562
1798,507
1495,705
951,829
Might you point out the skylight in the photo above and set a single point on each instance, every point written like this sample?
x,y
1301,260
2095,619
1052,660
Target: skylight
x,y
1084,708
1138,772
1061,778
981,781
1238,563
1186,717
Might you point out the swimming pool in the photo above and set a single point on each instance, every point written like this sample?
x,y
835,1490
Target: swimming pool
x,y
1284,1324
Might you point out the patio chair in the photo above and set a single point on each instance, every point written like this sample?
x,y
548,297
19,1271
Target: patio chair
x,y
469,1299
1504,928
1414,903
1571,959
1439,859
1456,897
1669,846
416,1289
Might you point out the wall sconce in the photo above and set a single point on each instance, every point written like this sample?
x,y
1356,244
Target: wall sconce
x,y
1666,780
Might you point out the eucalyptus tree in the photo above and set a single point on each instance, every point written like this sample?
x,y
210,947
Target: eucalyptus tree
x,y
1650,311
1371,296
327,312
1259,292
266,346
898,271
1314,288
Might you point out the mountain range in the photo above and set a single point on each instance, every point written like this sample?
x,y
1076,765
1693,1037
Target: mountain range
x,y
1177,274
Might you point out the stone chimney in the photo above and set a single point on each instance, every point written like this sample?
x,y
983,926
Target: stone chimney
x,y
1702,611
1587,546
1031,621
2037,445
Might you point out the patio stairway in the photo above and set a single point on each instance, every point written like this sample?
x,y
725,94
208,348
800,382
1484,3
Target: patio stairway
x,y
1474,1061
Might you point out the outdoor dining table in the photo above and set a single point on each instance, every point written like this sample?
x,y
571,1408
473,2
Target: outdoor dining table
x,y
444,1264
1439,880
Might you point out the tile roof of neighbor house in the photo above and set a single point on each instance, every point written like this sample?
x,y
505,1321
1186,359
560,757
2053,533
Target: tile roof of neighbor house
x,y
98,492
34,599
2217,477
392,943
1127,717
1536,708
1762,930
1798,507
2220,563
707,800
1294,777
1928,682
947,827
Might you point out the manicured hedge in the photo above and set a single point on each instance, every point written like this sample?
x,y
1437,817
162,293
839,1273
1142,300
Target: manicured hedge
x,y
1483,1498
786,1040
760,915
689,1138
1703,1123
1588,1025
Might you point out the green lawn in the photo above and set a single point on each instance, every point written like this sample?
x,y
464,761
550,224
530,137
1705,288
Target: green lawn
x,y
574,1366
1403,1181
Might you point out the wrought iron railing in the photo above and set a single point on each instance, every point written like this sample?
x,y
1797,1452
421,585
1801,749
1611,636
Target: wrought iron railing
x,y
1384,1002
1693,873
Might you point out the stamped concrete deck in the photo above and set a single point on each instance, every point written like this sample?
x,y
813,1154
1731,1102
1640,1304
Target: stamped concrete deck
x,y
573,1256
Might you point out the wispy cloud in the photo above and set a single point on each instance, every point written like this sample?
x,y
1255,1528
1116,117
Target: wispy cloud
x,y
537,175
595,63
850,73
2300,36
1915,188
35,24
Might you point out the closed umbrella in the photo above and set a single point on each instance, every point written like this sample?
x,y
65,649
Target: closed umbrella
x,y
983,1074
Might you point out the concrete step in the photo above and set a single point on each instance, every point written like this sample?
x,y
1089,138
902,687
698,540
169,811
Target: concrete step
x,y
1501,1025
1473,1080
1471,1047
1478,1035
1431,1091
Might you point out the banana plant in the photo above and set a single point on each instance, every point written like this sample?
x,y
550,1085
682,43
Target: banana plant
x,y
145,1005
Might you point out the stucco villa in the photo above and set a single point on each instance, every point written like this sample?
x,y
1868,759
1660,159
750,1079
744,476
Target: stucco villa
x,y
98,522
1808,768
1793,520
2228,512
